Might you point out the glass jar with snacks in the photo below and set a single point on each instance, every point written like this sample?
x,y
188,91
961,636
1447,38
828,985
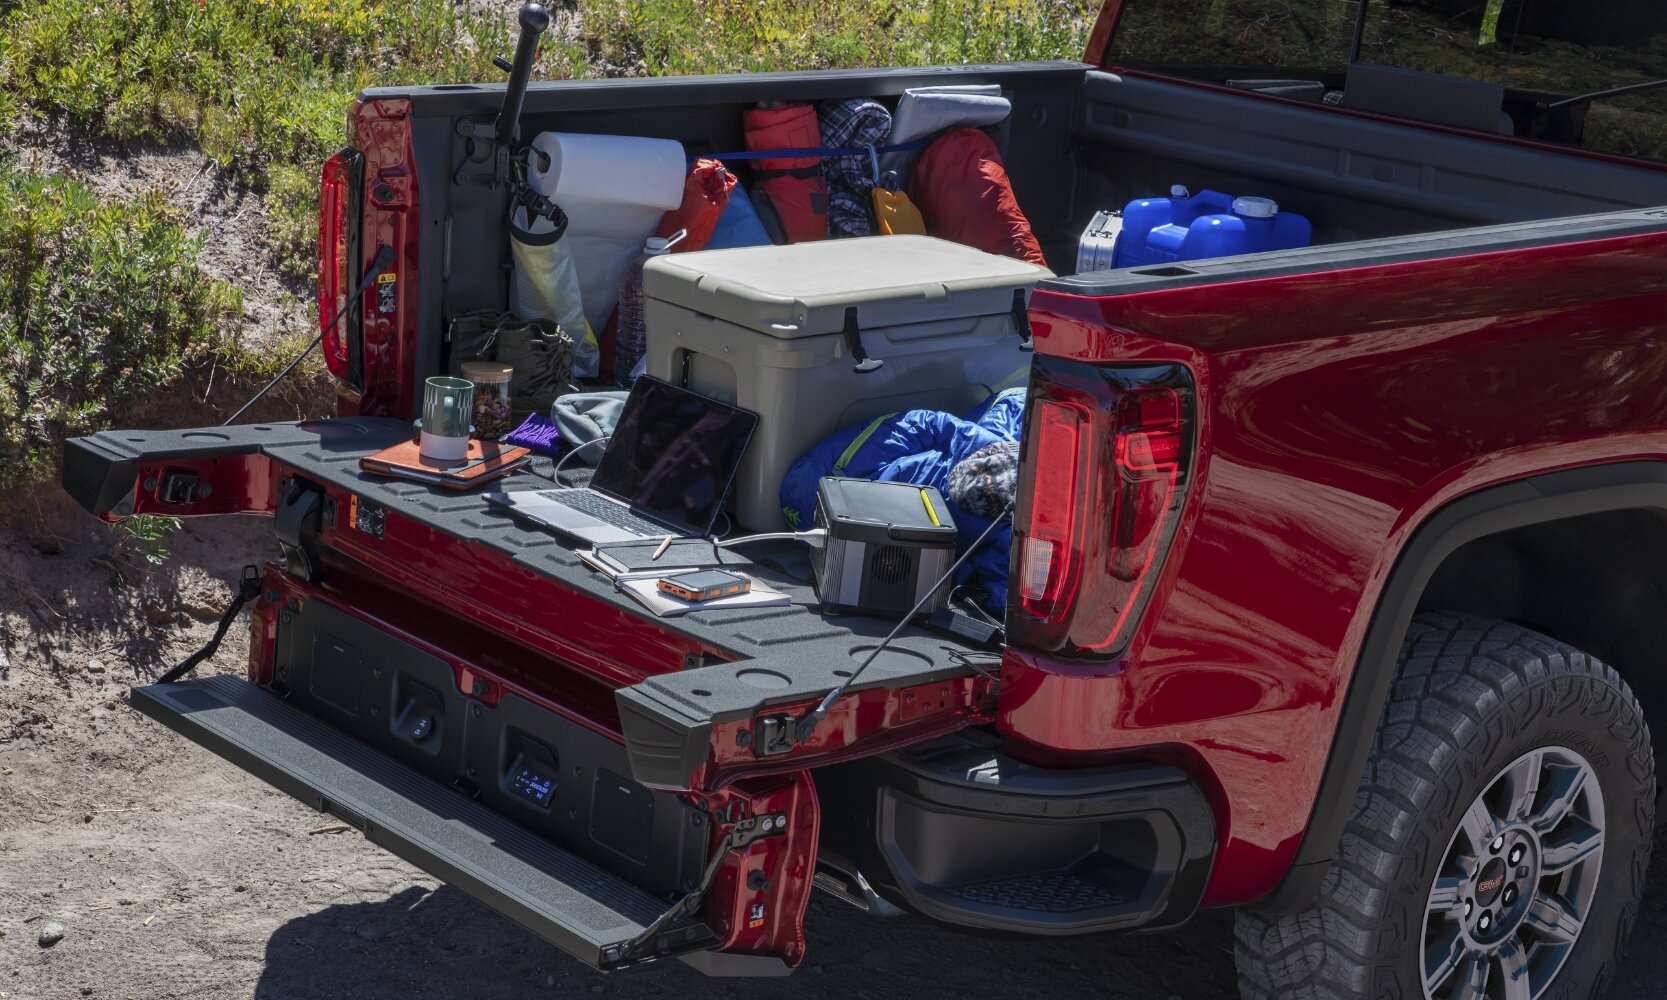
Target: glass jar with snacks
x,y
491,407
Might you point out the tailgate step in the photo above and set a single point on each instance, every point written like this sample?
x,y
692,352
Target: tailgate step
x,y
570,902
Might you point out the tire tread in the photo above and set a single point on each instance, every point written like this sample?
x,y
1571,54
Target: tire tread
x,y
1458,678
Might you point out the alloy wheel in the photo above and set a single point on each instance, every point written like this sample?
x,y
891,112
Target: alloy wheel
x,y
1516,883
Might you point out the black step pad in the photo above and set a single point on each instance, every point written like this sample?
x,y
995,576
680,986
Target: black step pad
x,y
564,899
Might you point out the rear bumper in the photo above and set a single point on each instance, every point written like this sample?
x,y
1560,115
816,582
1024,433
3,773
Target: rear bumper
x,y
965,835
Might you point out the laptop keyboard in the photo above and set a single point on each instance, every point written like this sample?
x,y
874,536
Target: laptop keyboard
x,y
606,511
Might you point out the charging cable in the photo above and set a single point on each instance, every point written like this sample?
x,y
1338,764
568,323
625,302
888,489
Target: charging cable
x,y
805,727
563,462
384,258
815,538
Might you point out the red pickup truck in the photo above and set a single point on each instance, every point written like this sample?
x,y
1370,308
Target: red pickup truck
x,y
1369,656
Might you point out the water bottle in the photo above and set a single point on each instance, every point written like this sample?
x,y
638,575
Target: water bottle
x,y
631,333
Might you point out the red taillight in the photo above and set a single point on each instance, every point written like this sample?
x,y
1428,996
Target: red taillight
x,y
335,231
1107,451
1148,471
1051,557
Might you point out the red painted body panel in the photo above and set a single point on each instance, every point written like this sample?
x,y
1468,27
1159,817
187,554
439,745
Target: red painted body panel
x,y
388,217
233,484
768,919
1336,412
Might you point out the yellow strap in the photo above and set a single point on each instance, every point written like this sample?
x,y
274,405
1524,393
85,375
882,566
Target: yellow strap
x,y
926,498
861,439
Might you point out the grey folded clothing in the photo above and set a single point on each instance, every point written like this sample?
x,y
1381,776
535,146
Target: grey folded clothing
x,y
583,417
923,112
985,483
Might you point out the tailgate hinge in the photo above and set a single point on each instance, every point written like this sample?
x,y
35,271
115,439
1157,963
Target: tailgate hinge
x,y
659,934
300,516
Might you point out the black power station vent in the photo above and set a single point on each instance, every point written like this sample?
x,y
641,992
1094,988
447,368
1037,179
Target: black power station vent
x,y
891,564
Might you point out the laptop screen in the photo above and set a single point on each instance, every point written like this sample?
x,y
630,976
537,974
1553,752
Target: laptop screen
x,y
674,454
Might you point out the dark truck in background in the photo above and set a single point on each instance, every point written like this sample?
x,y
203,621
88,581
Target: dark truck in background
x,y
1365,646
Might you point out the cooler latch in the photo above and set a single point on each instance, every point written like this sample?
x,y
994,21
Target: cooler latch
x,y
853,343
1021,320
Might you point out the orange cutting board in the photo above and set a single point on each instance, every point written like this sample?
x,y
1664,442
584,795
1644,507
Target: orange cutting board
x,y
485,461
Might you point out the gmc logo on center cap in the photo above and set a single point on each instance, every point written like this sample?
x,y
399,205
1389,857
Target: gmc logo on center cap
x,y
1490,885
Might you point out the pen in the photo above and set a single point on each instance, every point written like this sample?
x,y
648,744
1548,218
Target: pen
x,y
662,549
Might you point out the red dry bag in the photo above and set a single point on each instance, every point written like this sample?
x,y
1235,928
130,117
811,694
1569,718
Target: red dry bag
x,y
793,186
705,196
964,195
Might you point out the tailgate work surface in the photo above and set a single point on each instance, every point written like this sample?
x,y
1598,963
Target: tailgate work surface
x,y
566,900
780,655
101,469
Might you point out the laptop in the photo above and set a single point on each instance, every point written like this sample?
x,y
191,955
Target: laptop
x,y
665,471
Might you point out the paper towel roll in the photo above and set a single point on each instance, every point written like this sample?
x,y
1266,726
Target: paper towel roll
x,y
614,189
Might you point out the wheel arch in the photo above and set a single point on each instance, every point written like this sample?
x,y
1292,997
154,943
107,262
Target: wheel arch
x,y
1488,513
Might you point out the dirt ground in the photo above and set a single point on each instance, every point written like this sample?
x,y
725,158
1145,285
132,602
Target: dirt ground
x,y
177,875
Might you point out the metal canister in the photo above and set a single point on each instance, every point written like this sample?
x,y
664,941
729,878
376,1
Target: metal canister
x,y
1098,247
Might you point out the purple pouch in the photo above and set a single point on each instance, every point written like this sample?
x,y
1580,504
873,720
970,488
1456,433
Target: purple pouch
x,y
539,433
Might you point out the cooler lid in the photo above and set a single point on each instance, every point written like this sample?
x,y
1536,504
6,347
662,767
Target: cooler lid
x,y
803,290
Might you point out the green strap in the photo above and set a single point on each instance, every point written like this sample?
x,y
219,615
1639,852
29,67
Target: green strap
x,y
851,452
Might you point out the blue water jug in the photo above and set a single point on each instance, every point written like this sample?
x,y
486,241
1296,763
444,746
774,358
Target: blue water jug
x,y
1185,226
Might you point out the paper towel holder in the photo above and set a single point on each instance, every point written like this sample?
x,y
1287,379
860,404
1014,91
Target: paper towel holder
x,y
534,20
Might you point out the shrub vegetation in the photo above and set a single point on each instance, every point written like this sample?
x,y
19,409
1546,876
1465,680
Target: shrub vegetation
x,y
101,304
264,86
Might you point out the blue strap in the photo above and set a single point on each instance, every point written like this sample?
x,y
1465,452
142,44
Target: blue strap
x,y
818,153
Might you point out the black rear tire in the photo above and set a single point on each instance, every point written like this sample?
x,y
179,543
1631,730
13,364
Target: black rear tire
x,y
1478,706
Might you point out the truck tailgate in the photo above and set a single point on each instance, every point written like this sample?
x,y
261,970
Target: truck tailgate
x,y
681,691
575,905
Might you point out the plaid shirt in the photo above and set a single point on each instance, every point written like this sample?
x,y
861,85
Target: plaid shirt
x,y
855,122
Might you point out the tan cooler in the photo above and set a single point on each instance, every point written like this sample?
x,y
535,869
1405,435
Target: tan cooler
x,y
817,336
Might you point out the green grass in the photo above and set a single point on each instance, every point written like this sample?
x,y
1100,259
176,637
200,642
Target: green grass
x,y
263,86
247,80
101,306
707,36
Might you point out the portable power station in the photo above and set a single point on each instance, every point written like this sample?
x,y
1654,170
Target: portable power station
x,y
887,545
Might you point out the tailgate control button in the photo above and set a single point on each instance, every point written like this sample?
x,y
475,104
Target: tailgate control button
x,y
421,728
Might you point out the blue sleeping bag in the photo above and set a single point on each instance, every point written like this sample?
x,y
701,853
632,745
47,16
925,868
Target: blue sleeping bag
x,y
920,447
